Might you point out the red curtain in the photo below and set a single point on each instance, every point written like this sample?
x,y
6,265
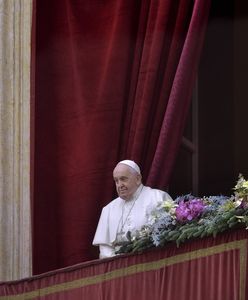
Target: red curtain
x,y
206,269
113,80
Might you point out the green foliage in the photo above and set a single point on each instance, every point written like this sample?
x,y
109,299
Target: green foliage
x,y
219,214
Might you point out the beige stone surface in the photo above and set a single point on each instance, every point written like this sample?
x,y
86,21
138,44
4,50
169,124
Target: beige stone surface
x,y
15,224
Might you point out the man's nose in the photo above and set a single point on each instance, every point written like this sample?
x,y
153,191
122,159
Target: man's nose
x,y
119,184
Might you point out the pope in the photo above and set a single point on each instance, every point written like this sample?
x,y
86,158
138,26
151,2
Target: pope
x,y
127,213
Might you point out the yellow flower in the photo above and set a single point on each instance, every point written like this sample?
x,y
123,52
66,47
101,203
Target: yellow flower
x,y
245,184
168,205
229,205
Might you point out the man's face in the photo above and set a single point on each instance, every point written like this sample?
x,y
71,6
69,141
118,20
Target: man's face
x,y
126,181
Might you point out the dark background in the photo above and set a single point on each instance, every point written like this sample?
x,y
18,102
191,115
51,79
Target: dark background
x,y
222,106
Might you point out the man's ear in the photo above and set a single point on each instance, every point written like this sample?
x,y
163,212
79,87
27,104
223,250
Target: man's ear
x,y
139,178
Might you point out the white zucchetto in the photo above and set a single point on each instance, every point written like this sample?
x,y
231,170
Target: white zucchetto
x,y
131,164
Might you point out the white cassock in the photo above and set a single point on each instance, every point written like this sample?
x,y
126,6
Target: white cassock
x,y
121,216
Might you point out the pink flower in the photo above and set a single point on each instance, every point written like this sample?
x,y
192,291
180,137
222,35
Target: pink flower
x,y
189,210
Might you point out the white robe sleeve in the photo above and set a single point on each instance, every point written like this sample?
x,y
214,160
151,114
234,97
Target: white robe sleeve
x,y
167,197
102,231
106,251
102,236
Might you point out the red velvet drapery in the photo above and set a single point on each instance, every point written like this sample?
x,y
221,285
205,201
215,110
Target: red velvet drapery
x,y
112,81
206,269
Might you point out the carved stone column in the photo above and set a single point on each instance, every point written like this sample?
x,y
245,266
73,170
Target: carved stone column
x,y
15,216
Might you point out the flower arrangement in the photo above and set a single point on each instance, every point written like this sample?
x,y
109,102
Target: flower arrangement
x,y
191,217
241,188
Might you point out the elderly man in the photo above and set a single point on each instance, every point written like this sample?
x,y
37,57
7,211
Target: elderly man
x,y
128,212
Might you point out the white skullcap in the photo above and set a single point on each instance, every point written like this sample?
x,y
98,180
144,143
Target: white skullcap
x,y
131,164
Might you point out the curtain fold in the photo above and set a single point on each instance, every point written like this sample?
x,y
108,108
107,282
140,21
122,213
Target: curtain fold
x,y
165,26
106,84
180,96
